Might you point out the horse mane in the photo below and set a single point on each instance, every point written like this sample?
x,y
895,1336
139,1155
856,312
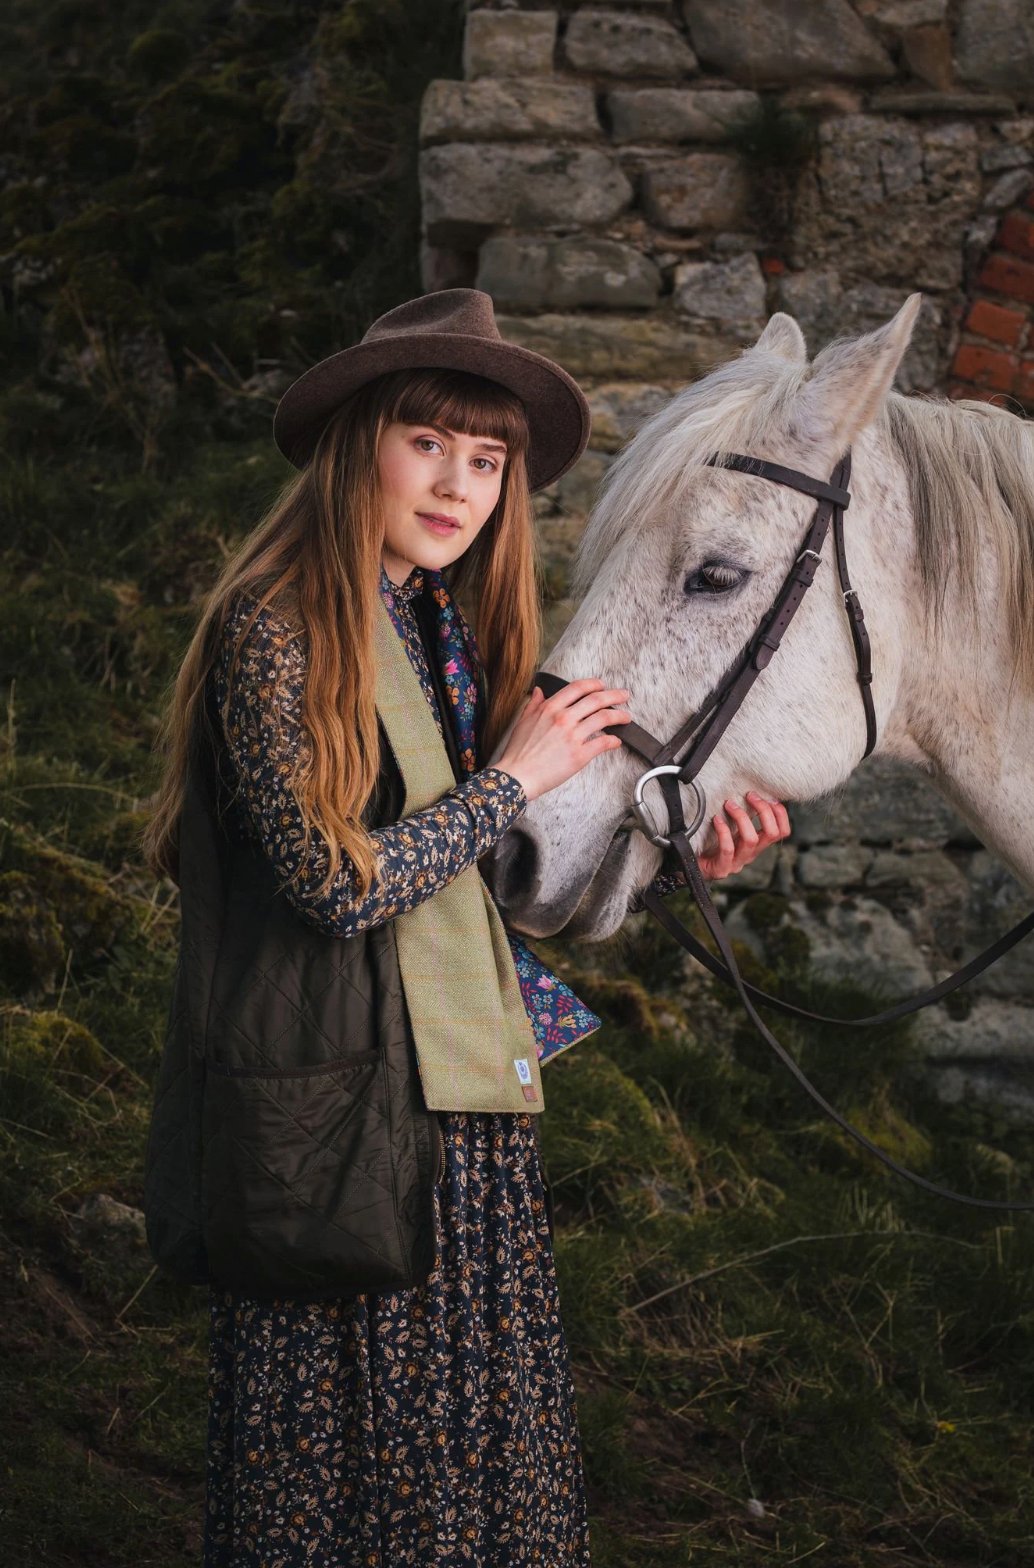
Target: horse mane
x,y
970,469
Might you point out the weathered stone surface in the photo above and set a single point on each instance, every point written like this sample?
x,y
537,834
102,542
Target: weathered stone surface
x,y
676,114
509,43
994,45
833,865
511,110
768,43
639,348
904,100
995,902
924,868
624,43
529,274
728,293
883,802
993,1030
890,199
1008,189
854,939
825,310
704,190
1007,155
620,408
906,14
467,189
578,489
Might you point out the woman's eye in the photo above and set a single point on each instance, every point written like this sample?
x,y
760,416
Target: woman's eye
x,y
427,443
489,466
713,577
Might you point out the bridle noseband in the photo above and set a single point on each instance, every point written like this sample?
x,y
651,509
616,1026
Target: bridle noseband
x,y
679,761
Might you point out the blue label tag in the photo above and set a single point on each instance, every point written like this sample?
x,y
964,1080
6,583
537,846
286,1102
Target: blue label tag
x,y
523,1070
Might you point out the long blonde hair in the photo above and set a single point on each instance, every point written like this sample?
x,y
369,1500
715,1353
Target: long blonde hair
x,y
315,559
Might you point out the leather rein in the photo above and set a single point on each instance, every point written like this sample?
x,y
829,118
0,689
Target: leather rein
x,y
678,761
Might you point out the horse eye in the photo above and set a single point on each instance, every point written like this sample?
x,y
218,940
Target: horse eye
x,y
713,577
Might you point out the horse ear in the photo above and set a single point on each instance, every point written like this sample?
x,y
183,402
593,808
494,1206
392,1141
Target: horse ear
x,y
784,337
850,381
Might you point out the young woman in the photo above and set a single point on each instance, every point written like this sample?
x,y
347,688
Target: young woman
x,y
332,679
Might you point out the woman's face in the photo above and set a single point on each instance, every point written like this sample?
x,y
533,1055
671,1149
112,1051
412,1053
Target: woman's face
x,y
437,489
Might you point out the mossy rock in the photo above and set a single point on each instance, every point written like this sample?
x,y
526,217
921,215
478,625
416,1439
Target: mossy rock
x,y
158,55
42,1055
32,952
90,915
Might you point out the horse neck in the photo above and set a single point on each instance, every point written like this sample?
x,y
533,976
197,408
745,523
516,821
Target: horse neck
x,y
961,713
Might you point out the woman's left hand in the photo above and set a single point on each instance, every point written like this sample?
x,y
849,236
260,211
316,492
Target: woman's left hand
x,y
741,843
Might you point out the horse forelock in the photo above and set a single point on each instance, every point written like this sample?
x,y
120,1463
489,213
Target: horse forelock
x,y
737,408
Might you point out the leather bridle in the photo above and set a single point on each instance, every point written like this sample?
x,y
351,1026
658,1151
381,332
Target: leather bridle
x,y
678,762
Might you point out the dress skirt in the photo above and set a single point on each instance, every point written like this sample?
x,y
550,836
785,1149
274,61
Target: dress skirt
x,y
433,1426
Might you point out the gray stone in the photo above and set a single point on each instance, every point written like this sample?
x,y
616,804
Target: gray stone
x,y
725,245
509,43
620,408
1007,155
825,310
1010,1093
905,100
905,14
529,274
994,44
468,189
637,348
511,110
730,293
833,865
853,939
1007,189
883,802
998,1031
622,43
995,902
578,489
924,868
703,190
676,114
771,43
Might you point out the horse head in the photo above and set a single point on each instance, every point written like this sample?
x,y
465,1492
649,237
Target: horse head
x,y
678,563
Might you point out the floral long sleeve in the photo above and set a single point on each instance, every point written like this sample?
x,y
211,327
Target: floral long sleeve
x,y
262,699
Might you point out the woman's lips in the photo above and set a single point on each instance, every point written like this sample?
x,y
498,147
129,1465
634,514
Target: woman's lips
x,y
439,523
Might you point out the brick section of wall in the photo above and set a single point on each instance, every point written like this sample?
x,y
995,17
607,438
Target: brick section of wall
x,y
1000,319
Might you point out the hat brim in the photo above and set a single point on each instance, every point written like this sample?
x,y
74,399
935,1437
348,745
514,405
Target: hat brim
x,y
558,414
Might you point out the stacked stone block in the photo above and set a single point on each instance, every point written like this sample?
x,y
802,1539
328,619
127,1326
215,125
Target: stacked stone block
x,y
594,173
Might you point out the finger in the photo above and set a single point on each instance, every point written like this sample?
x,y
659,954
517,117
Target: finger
x,y
594,702
765,812
572,692
721,863
603,720
747,833
783,819
599,744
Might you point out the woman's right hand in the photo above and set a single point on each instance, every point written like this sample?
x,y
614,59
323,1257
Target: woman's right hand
x,y
556,736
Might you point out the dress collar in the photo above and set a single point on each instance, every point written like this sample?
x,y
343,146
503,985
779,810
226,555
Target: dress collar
x,y
404,593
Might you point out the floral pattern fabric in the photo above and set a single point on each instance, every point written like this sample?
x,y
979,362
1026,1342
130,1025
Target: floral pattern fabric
x,y
558,1018
431,1427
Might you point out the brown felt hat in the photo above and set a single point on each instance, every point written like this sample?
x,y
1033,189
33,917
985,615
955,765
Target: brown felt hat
x,y
453,329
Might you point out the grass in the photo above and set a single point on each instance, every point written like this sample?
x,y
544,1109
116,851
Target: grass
x,y
781,1354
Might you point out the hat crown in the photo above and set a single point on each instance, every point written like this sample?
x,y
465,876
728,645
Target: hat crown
x,y
458,312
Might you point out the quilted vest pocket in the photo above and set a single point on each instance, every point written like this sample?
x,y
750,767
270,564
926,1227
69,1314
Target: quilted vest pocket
x,y
297,1182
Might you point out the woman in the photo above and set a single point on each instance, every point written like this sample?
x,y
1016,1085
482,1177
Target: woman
x,y
432,1424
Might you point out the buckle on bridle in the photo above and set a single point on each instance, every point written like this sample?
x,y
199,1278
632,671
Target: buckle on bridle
x,y
644,821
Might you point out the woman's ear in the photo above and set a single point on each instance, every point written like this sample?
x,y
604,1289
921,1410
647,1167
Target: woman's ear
x,y
850,382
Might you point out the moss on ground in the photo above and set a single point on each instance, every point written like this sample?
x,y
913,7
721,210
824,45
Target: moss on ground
x,y
779,1351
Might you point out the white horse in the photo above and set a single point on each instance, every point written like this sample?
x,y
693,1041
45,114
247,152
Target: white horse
x,y
680,560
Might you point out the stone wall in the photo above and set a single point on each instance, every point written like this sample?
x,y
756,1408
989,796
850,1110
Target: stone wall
x,y
639,185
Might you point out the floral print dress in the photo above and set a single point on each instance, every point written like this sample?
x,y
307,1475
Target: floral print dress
x,y
433,1426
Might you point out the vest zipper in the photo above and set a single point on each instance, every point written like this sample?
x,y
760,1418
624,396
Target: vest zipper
x,y
439,1171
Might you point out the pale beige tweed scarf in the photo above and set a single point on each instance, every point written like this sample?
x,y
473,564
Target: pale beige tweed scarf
x,y
475,1045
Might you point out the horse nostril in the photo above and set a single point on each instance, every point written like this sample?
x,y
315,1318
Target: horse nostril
x,y
513,868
